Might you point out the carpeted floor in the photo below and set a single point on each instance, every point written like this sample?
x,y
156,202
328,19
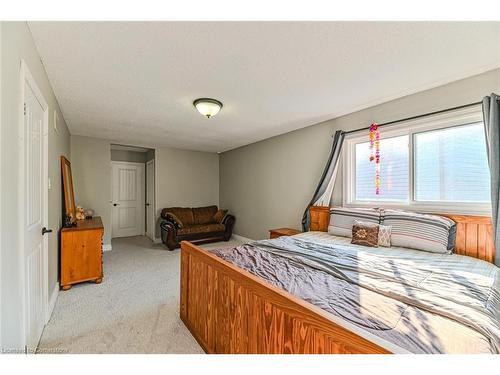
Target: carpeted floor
x,y
134,310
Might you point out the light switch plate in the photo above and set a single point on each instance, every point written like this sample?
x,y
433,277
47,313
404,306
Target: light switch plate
x,y
56,119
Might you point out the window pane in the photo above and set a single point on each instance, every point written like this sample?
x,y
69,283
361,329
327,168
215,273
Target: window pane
x,y
393,171
451,165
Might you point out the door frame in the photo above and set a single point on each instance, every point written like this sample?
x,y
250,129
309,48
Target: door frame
x,y
153,209
143,195
27,78
1,321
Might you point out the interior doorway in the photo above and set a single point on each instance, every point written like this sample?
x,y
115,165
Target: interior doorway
x,y
132,191
150,199
33,208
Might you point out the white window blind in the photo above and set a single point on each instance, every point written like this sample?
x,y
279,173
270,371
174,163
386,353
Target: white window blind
x,y
451,165
393,171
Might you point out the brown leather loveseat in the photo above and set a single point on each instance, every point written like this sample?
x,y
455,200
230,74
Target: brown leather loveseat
x,y
200,225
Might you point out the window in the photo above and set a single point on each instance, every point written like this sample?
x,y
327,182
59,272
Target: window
x,y
393,171
435,163
451,165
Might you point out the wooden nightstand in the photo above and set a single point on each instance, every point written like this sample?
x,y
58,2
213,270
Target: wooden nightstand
x,y
279,232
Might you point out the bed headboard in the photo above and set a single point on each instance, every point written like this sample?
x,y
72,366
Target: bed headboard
x,y
474,233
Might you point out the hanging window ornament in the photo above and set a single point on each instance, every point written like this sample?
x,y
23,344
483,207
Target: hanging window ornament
x,y
375,154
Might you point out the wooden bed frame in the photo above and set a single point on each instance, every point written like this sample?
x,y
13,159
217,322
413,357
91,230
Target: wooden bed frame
x,y
229,310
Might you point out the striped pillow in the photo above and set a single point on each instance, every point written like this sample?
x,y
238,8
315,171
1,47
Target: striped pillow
x,y
432,233
342,219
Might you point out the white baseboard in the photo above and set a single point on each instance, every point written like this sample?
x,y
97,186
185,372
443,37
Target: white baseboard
x,y
241,238
107,247
52,302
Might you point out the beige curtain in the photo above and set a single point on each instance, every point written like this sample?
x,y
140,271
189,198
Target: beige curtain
x,y
324,191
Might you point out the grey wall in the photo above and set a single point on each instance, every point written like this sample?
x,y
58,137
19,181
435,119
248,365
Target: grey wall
x,y
268,184
16,44
186,178
183,178
91,169
130,156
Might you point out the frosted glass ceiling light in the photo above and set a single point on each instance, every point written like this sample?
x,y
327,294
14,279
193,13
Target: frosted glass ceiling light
x,y
207,107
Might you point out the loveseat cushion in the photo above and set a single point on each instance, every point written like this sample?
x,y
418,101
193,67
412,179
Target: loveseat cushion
x,y
204,215
219,216
182,214
172,217
201,228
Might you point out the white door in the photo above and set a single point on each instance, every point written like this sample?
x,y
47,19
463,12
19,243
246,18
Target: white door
x,y
33,217
127,199
150,199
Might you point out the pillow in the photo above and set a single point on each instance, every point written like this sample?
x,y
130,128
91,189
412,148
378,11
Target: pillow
x,y
183,215
174,218
204,215
220,215
365,234
384,235
342,219
432,233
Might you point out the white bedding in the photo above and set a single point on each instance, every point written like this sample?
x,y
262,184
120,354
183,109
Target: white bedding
x,y
419,301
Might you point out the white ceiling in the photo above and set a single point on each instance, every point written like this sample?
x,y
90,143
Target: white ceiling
x,y
134,82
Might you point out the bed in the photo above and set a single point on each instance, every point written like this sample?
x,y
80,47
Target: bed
x,y
317,293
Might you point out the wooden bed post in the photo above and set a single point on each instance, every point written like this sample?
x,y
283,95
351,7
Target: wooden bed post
x,y
320,217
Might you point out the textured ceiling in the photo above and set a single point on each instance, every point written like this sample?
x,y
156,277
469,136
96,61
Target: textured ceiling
x,y
134,82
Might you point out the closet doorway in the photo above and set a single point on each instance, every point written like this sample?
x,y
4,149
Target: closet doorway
x,y
131,190
150,199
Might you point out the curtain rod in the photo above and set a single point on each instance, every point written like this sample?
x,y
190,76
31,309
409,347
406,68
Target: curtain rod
x,y
416,117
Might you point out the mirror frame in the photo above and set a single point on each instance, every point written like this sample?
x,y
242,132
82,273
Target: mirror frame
x,y
69,194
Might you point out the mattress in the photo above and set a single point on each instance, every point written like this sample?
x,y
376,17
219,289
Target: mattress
x,y
419,301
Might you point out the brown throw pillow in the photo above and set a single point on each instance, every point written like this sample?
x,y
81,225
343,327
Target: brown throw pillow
x,y
365,234
175,219
219,216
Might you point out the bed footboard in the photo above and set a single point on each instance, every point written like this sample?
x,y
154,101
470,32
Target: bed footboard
x,y
229,310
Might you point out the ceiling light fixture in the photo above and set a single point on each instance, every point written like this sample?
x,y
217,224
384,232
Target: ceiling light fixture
x,y
207,107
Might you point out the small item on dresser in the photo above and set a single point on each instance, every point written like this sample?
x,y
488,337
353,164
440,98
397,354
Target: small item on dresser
x,y
68,221
384,235
80,215
89,213
365,234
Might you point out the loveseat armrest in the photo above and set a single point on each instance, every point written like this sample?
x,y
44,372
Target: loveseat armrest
x,y
228,222
169,234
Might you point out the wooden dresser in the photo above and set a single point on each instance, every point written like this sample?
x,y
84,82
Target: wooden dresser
x,y
81,253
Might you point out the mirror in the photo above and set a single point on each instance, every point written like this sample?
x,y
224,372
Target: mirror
x,y
69,196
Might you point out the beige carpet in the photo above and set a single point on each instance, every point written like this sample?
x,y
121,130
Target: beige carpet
x,y
134,310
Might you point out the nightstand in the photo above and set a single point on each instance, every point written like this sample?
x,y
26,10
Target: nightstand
x,y
279,232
